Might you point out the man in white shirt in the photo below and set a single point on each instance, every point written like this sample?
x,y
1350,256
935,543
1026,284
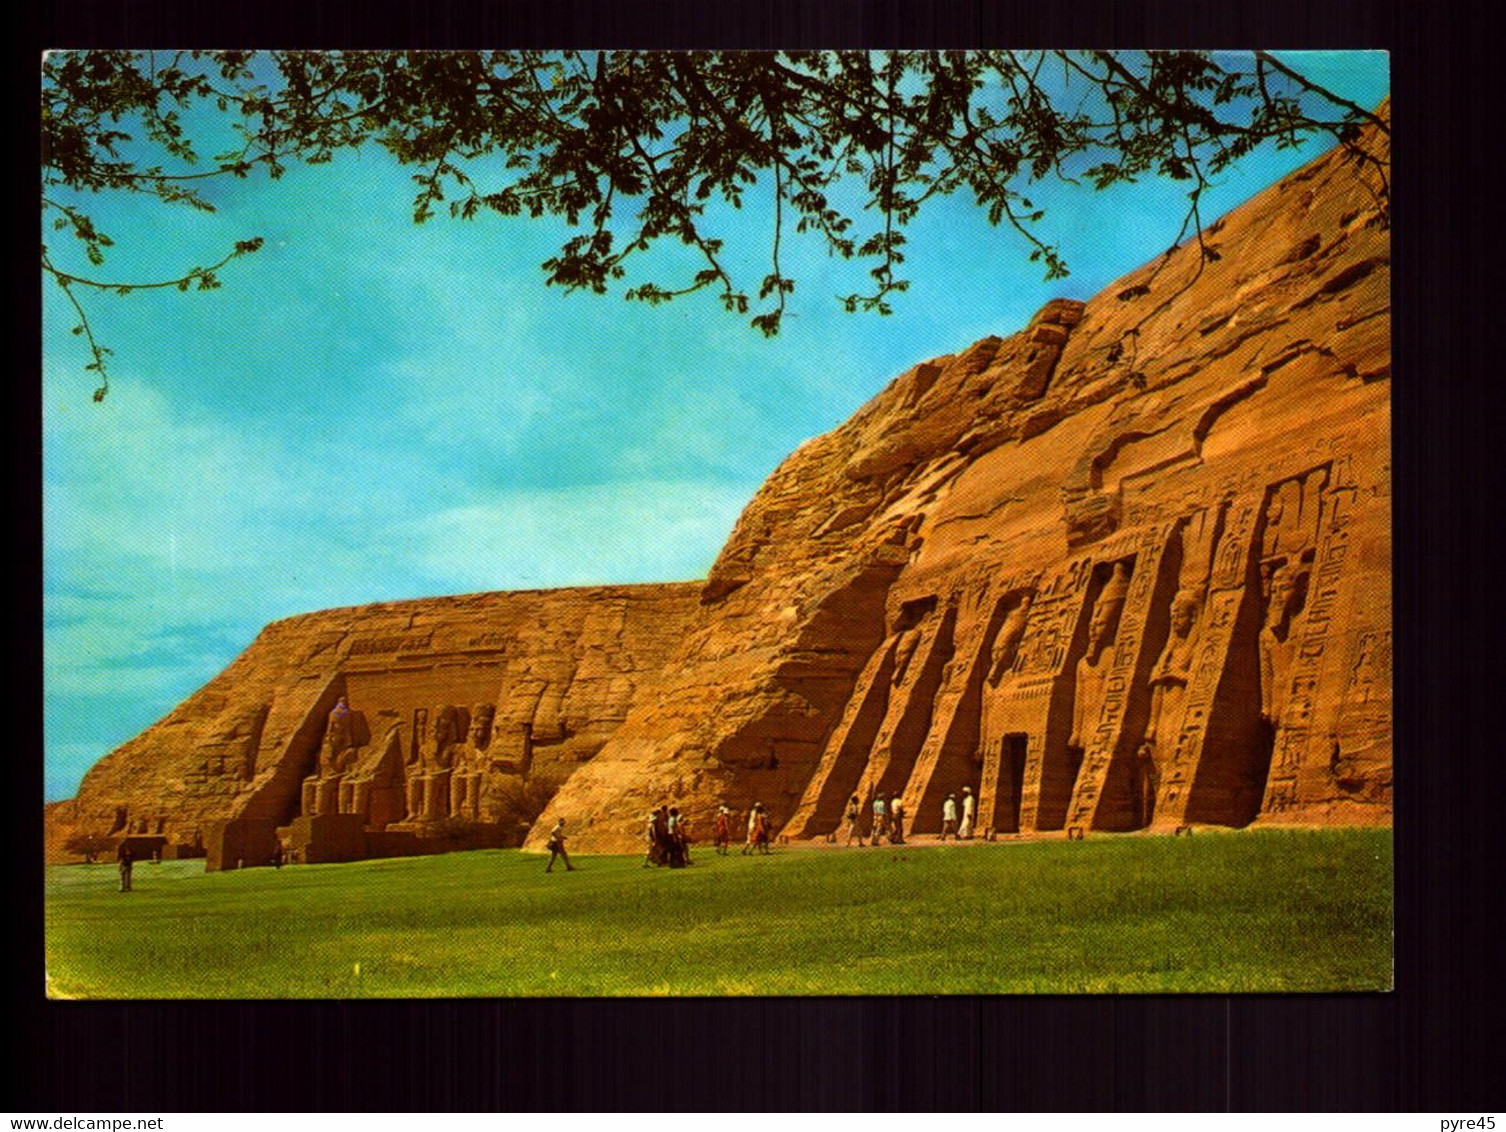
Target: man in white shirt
x,y
949,817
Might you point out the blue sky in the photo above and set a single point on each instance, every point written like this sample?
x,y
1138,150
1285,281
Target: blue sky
x,y
371,410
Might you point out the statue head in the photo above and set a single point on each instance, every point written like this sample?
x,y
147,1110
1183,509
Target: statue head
x,y
1106,609
444,725
1184,611
1283,591
481,724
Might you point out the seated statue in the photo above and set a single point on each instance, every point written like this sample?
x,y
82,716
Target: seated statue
x,y
321,790
429,781
372,784
468,773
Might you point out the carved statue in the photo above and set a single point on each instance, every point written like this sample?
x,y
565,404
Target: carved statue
x,y
1147,779
321,790
468,772
1168,693
429,786
1007,647
1093,668
368,787
904,652
1276,644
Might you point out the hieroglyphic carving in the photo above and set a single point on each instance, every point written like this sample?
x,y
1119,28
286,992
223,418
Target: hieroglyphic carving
x,y
1310,628
1004,654
1039,664
1226,586
1116,663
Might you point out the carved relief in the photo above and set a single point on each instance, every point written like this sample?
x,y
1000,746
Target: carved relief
x,y
1093,668
1001,788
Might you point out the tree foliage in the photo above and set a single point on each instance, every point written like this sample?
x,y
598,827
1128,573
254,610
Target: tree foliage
x,y
632,148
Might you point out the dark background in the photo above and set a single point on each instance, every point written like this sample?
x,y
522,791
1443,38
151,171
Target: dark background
x,y
1435,1044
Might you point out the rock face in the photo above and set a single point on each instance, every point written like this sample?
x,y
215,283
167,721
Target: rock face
x,y
1128,568
386,718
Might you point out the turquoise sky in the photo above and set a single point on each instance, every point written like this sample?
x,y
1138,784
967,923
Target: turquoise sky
x,y
371,410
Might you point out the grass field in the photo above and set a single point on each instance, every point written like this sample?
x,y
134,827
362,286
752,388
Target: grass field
x,y
1254,911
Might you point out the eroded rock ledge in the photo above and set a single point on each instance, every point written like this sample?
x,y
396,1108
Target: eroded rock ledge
x,y
1127,568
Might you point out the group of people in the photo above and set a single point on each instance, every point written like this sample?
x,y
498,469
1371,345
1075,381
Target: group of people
x,y
950,826
668,836
889,819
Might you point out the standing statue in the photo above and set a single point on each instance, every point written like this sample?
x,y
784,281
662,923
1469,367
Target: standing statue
x,y
1093,668
1007,647
1168,694
1276,645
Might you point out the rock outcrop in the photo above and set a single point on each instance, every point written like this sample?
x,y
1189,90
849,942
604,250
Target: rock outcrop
x,y
391,716
1128,568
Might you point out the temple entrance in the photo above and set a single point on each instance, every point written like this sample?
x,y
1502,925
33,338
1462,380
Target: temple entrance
x,y
1011,782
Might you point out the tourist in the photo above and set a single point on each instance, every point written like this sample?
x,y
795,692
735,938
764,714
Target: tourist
x,y
557,847
124,857
682,838
761,830
661,836
752,841
723,829
880,818
676,845
854,816
896,820
949,817
648,836
969,812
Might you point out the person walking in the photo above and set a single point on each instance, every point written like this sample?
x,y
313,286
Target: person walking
x,y
761,830
949,817
880,819
124,858
557,847
682,839
896,820
969,812
854,817
752,841
652,857
723,834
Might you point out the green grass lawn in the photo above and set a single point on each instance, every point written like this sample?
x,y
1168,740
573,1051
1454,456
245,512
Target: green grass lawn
x,y
1253,911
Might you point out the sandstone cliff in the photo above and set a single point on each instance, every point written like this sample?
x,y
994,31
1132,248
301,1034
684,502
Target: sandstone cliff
x,y
526,684
1127,568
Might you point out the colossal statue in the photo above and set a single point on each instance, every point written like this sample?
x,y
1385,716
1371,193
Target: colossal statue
x,y
468,772
321,790
429,784
1168,693
1092,669
1275,642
